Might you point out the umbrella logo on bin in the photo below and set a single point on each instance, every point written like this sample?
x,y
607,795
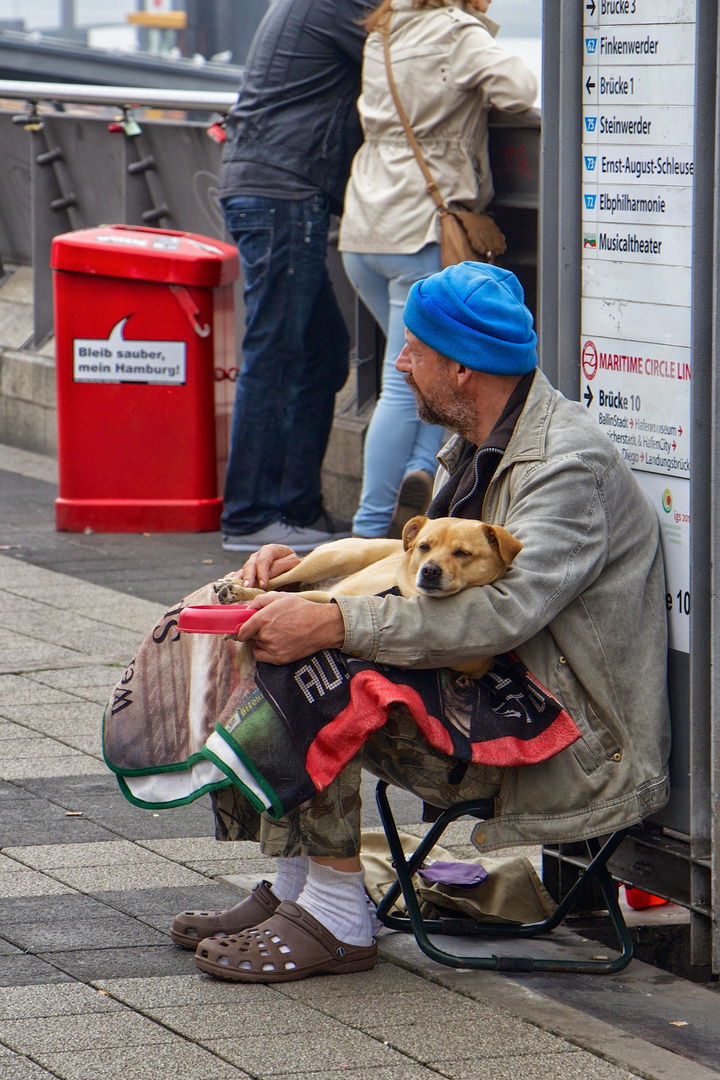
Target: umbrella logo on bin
x,y
116,359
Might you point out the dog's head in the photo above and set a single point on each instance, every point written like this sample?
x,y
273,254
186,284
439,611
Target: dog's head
x,y
446,555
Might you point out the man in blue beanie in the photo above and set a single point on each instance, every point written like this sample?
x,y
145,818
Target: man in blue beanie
x,y
582,607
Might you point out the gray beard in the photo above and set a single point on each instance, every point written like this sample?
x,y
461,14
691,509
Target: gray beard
x,y
456,415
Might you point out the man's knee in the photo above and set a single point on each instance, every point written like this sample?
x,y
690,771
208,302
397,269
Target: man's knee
x,y
399,754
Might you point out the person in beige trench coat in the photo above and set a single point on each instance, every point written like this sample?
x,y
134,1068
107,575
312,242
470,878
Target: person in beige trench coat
x,y
449,71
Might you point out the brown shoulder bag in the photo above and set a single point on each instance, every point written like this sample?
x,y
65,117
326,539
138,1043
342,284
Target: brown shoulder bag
x,y
464,235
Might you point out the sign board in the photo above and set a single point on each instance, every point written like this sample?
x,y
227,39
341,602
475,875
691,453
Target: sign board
x,y
637,179
115,360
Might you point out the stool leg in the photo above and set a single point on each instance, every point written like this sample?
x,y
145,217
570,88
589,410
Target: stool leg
x,y
415,861
405,868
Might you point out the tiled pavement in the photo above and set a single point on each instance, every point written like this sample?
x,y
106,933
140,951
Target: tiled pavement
x,y
90,984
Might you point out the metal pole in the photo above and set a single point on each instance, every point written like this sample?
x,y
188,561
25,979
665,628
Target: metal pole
x,y
714,301
703,496
560,195
570,212
549,202
196,26
67,17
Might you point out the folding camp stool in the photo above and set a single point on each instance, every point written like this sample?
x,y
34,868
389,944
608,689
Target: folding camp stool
x,y
413,922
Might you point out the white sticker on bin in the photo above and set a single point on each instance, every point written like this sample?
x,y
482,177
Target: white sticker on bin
x,y
115,360
121,238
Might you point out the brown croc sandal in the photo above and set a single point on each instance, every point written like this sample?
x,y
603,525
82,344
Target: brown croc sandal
x,y
190,927
290,945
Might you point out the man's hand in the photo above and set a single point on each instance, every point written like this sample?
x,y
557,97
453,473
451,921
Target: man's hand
x,y
266,564
288,627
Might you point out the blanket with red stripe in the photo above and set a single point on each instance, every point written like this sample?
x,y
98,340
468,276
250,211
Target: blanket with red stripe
x,y
193,713
329,704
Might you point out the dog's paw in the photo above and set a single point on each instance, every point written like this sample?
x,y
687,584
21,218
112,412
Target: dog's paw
x,y
232,591
226,590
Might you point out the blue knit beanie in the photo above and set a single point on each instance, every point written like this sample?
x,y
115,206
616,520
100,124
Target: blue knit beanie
x,y
474,313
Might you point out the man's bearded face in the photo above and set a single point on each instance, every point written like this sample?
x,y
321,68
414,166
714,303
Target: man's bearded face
x,y
445,405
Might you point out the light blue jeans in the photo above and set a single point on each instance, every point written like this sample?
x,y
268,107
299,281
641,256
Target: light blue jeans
x,y
397,442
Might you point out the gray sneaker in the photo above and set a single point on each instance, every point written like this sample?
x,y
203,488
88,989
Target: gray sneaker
x,y
278,532
300,538
416,491
414,497
326,528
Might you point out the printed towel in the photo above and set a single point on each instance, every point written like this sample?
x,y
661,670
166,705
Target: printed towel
x,y
193,713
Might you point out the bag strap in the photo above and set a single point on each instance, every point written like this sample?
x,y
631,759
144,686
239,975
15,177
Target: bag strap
x,y
429,179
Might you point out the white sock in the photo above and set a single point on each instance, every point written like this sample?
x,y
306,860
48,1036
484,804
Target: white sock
x,y
337,900
291,877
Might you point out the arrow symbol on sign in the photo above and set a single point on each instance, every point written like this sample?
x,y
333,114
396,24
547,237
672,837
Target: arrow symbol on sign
x,y
632,424
679,431
674,445
590,85
591,7
588,395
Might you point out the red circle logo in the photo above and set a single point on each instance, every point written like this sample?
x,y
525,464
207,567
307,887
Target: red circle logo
x,y
589,360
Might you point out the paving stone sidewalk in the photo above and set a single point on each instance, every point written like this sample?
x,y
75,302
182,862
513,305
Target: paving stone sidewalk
x,y
90,984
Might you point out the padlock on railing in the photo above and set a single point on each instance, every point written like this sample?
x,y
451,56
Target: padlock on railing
x,y
217,131
125,124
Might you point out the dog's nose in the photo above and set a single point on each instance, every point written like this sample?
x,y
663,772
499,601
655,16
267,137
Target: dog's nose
x,y
430,573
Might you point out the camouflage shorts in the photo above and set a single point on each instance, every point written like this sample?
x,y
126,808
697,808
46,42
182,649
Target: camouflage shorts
x,y
329,823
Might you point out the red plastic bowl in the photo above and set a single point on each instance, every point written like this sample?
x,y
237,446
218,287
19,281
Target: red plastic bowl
x,y
638,899
214,618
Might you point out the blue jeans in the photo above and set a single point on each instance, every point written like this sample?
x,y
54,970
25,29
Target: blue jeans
x,y
295,359
397,442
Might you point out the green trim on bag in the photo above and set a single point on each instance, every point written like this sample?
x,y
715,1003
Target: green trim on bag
x,y
235,781
177,766
278,810
185,801
275,811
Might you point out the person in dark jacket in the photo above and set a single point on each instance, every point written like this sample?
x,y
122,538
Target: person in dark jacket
x,y
291,139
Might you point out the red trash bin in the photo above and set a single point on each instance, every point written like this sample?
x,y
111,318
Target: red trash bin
x,y
141,320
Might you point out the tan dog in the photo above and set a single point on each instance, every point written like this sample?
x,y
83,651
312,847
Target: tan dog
x,y
436,557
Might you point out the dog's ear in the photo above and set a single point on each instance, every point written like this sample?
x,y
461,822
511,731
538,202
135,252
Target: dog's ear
x,y
412,528
508,547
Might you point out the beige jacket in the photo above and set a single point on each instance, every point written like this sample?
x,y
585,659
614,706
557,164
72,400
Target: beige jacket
x,y
449,72
583,605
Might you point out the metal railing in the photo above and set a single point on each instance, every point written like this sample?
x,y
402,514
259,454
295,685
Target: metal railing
x,y
71,163
22,56
127,97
